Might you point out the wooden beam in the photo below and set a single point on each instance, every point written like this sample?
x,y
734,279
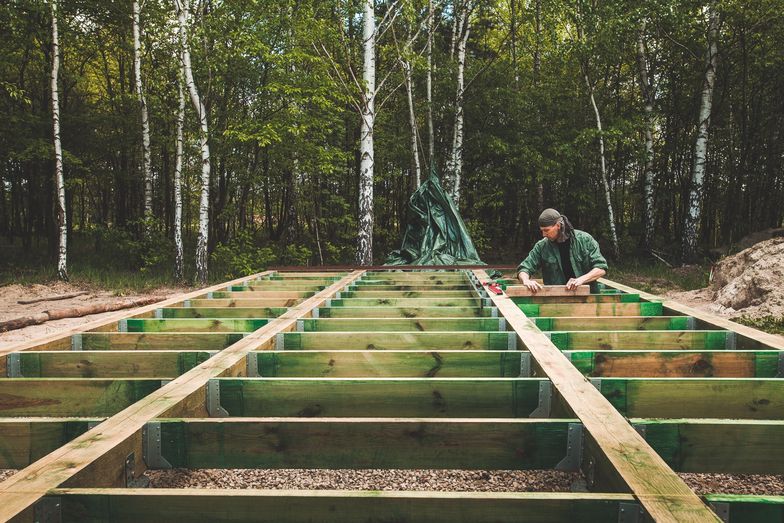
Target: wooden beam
x,y
404,312
397,340
677,364
407,302
258,295
98,456
547,291
216,324
257,303
160,364
642,340
662,493
374,397
612,323
226,312
764,339
25,440
415,364
157,340
386,286
373,293
585,298
401,324
592,309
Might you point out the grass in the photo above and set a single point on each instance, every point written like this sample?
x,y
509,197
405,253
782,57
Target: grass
x,y
770,324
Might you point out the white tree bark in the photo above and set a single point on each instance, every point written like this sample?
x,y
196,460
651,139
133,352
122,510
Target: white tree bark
x,y
605,183
365,218
179,271
456,157
201,112
647,98
409,81
62,268
701,145
137,71
429,84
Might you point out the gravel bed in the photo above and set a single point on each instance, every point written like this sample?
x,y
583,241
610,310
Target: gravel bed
x,y
746,484
367,479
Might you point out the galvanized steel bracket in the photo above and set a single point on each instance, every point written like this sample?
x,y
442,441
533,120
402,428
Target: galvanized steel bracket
x,y
574,449
13,363
545,400
214,408
153,451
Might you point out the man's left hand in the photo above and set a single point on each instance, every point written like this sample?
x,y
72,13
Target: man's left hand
x,y
573,283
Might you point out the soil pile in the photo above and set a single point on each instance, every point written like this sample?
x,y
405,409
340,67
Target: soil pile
x,y
750,282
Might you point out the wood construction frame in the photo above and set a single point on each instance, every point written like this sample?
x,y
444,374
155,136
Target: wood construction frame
x,y
392,368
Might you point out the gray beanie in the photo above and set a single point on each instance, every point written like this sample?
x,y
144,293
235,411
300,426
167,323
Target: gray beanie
x,y
549,217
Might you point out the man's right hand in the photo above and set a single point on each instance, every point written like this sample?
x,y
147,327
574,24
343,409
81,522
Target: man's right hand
x,y
532,285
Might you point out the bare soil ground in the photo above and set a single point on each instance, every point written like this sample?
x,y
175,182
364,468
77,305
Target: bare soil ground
x,y
11,294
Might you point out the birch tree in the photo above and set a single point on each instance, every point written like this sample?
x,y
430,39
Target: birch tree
x,y
455,164
137,71
179,271
692,218
429,82
201,112
365,232
62,268
646,90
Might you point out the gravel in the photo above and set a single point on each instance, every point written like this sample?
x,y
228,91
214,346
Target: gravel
x,y
746,484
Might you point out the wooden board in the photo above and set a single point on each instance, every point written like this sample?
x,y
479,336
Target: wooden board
x,y
401,324
396,340
380,397
25,440
592,309
194,325
547,291
407,302
158,340
612,323
225,312
585,298
633,462
641,340
373,293
160,364
258,303
404,312
414,364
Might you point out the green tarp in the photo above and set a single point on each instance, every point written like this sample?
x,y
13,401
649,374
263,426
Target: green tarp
x,y
436,234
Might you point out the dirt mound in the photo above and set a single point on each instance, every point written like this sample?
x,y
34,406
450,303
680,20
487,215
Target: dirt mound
x,y
750,282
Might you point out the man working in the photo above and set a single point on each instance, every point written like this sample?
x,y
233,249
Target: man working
x,y
565,255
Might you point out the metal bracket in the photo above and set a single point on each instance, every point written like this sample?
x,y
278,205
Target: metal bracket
x,y
511,340
158,314
122,325
493,312
596,382
209,295
630,512
252,365
186,303
722,510
76,342
545,400
691,323
214,408
316,312
153,456
279,341
13,362
590,473
641,429
574,449
525,364
780,373
731,341
487,302
337,295
549,334
300,326
328,302
502,324
165,382
49,509
228,288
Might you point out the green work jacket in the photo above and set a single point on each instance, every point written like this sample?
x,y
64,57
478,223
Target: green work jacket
x,y
583,252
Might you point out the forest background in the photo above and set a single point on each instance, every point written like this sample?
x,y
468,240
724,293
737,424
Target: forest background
x,y
654,125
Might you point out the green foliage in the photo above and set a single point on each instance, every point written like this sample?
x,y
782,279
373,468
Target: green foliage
x,y
240,257
771,324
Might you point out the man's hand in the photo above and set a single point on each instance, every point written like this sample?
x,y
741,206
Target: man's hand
x,y
573,283
532,285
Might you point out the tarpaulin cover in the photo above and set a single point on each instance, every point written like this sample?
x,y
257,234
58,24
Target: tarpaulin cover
x,y
436,234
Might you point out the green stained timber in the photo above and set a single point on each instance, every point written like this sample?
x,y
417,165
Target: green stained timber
x,y
195,325
640,340
612,323
109,364
381,397
70,397
373,294
591,298
24,441
741,398
407,302
404,312
361,444
393,325
157,340
492,340
592,309
222,312
414,364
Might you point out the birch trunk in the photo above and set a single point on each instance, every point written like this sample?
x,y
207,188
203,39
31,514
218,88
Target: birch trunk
x,y
137,71
605,183
701,145
429,83
179,271
647,98
365,230
456,162
201,112
62,268
412,121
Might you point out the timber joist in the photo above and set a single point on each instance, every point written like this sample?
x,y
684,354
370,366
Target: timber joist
x,y
392,370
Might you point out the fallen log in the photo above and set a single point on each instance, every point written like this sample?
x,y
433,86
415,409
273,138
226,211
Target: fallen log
x,y
53,298
73,312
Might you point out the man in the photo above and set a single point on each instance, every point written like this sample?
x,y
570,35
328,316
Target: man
x,y
565,255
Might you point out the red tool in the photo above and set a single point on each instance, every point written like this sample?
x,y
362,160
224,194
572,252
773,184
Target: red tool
x,y
493,287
